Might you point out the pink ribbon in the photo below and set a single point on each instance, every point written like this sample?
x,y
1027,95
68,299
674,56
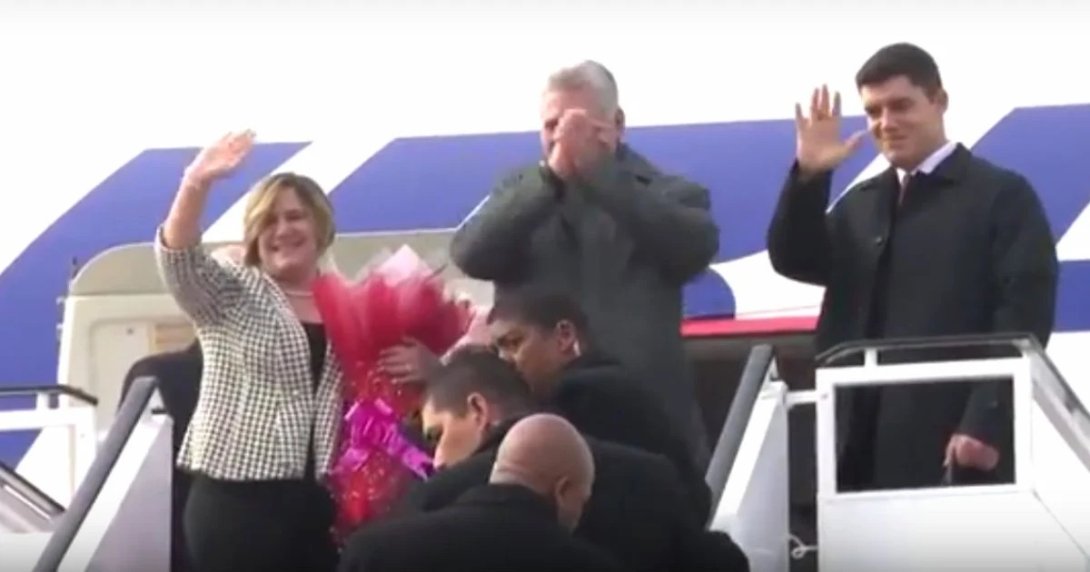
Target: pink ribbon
x,y
374,426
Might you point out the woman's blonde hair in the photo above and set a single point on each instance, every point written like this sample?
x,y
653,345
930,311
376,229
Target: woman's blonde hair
x,y
260,203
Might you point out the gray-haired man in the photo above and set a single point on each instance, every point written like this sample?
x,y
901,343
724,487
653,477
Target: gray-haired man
x,y
597,220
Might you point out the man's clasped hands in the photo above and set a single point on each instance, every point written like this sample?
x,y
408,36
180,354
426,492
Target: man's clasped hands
x,y
578,142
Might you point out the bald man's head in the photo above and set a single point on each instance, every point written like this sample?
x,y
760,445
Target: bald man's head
x,y
546,454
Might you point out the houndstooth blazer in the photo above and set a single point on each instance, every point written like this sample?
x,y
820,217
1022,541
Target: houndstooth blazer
x,y
256,406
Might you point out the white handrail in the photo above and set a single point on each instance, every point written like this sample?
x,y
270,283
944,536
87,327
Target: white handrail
x,y
69,420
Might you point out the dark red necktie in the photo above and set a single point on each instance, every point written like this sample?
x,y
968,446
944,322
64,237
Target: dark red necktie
x,y
905,182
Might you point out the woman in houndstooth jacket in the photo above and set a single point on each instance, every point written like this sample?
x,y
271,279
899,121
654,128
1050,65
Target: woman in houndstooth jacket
x,y
263,432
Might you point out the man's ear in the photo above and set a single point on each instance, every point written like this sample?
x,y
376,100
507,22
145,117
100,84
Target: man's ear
x,y
478,409
561,487
942,98
567,337
619,120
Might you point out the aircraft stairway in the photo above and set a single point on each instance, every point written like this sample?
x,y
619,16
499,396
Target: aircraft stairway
x,y
1040,521
117,518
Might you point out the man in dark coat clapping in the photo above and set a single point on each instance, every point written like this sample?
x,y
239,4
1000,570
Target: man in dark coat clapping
x,y
596,220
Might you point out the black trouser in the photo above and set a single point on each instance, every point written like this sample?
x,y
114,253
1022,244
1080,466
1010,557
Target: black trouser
x,y
259,526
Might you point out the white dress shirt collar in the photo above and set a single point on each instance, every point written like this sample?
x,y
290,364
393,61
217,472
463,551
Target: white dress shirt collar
x,y
931,162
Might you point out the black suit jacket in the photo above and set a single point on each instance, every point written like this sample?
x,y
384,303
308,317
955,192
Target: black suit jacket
x,y
490,527
179,375
601,399
637,510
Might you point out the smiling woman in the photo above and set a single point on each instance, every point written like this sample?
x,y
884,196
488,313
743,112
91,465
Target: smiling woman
x,y
267,414
288,223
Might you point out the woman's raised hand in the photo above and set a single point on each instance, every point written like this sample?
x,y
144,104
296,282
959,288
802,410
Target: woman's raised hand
x,y
220,158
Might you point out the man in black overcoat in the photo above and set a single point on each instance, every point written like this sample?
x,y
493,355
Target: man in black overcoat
x,y
941,243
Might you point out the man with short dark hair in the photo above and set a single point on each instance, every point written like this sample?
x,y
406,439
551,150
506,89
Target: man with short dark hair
x,y
598,221
638,510
544,334
941,243
467,398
